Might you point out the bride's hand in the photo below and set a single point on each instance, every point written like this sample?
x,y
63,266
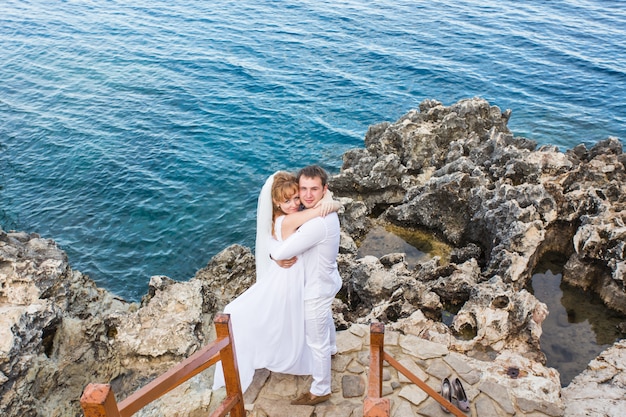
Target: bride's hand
x,y
286,263
327,204
326,207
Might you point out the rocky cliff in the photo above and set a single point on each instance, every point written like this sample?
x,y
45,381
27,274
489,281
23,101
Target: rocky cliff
x,y
456,173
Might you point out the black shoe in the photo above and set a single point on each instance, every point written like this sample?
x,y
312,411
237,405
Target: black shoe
x,y
459,393
446,392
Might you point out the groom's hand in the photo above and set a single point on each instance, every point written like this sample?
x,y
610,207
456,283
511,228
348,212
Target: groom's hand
x,y
286,263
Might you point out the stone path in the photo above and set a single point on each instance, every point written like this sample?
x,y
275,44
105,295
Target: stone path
x,y
489,385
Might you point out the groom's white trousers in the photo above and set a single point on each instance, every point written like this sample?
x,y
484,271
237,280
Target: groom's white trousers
x,y
321,338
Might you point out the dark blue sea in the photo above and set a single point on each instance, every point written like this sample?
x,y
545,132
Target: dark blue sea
x,y
137,134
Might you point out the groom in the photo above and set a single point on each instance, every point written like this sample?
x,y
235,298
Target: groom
x,y
316,243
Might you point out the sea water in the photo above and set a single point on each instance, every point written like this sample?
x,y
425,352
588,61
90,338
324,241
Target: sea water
x,y
137,134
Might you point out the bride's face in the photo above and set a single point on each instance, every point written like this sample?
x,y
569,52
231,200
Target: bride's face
x,y
291,205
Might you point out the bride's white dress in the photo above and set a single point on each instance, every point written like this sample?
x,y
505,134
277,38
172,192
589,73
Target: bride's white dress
x,y
268,324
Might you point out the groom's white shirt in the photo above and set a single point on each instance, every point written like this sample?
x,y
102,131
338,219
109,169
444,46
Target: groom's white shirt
x,y
316,243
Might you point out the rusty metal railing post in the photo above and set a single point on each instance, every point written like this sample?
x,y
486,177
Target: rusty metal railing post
x,y
228,355
374,405
98,400
377,344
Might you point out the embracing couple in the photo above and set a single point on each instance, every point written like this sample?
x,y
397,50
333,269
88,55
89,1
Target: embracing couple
x,y
284,321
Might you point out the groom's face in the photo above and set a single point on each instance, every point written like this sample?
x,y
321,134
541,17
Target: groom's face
x,y
311,191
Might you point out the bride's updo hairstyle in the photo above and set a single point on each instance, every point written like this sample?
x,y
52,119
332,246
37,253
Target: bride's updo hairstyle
x,y
284,187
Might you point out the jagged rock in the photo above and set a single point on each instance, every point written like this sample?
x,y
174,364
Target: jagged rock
x,y
227,275
166,324
464,176
601,388
55,339
475,183
60,332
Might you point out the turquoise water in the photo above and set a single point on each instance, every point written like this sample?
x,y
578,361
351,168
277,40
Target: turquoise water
x,y
137,134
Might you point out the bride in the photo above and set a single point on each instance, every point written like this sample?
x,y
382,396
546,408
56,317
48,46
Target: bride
x,y
268,318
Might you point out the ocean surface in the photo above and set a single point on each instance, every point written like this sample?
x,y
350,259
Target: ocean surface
x,y
137,134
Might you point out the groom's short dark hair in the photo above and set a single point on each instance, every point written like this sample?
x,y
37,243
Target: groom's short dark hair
x,y
314,171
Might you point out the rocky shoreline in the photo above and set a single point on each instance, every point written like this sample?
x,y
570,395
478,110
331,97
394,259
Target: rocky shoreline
x,y
455,172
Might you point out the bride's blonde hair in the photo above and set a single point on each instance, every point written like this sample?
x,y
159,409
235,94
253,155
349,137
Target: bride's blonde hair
x,y
284,187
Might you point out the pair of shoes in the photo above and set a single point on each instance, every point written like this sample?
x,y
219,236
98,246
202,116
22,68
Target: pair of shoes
x,y
455,390
309,399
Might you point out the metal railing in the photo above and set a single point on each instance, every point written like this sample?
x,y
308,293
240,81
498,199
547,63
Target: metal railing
x,y
98,400
376,406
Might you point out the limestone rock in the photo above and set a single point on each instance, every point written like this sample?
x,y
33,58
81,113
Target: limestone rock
x,y
601,388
